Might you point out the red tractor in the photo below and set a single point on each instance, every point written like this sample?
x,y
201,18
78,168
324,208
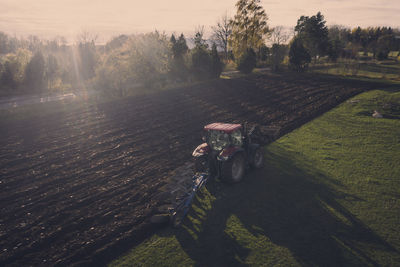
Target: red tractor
x,y
229,149
227,152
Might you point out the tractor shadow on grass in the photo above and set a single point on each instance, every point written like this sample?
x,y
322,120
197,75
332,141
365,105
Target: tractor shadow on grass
x,y
275,212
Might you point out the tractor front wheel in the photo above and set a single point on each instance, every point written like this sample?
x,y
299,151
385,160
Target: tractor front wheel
x,y
258,158
233,169
200,164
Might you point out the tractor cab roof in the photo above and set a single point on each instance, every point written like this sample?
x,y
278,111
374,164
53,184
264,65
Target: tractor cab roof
x,y
225,127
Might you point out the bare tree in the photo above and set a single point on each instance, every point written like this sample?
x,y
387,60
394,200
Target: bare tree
x,y
221,33
85,37
279,35
88,57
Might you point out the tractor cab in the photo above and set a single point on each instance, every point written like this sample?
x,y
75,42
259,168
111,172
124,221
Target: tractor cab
x,y
226,152
223,135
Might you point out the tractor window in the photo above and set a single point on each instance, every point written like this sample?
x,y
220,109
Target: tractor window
x,y
237,138
218,140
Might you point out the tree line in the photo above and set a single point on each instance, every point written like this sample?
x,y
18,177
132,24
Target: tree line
x,y
124,64
33,66
127,63
313,40
244,37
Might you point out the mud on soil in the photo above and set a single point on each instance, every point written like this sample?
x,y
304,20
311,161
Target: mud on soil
x,y
79,186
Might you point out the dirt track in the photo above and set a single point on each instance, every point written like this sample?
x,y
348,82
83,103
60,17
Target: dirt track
x,y
78,184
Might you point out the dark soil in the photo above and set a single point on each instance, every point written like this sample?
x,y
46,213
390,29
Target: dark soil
x,y
79,185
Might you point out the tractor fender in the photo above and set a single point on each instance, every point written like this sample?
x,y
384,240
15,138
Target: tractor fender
x,y
229,152
201,150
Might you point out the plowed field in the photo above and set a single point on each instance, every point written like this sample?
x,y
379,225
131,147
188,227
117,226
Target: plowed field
x,y
79,183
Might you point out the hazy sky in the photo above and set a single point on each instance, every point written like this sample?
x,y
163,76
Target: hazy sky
x,y
48,18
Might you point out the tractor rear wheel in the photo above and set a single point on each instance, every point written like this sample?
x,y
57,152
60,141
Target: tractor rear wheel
x,y
233,169
258,158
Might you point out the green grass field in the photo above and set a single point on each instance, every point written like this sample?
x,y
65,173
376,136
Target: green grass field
x,y
329,195
384,71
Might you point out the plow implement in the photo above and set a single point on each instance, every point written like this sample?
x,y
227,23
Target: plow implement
x,y
178,198
184,203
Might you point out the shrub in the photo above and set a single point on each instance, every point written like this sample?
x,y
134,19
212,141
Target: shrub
x,y
278,53
140,64
201,63
382,55
12,74
147,60
247,61
34,73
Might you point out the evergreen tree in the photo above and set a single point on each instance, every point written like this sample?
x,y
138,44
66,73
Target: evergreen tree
x,y
201,59
314,34
299,58
247,61
179,49
172,40
216,64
